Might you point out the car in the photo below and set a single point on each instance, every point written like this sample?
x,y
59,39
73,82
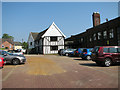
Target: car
x,y
106,55
21,50
60,51
2,61
77,52
15,52
12,58
67,51
86,53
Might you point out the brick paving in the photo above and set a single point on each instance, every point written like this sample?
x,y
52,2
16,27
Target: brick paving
x,y
52,71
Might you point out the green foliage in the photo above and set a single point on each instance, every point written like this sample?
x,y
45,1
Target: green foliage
x,y
6,47
25,45
6,36
2,48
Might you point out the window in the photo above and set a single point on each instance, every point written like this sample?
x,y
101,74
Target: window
x,y
2,46
30,43
113,50
81,39
90,39
105,50
99,35
118,35
94,36
10,46
53,38
118,50
105,34
111,34
54,48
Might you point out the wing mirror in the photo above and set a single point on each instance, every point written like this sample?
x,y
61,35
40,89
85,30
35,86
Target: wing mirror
x,y
5,54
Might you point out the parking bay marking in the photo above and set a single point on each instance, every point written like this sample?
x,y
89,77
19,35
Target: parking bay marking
x,y
6,77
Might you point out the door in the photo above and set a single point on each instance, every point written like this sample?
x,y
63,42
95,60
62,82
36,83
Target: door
x,y
114,53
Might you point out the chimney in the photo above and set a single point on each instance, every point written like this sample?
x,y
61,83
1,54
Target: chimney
x,y
106,19
96,19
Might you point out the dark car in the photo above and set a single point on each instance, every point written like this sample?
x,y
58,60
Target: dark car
x,y
86,53
60,51
66,52
13,59
106,55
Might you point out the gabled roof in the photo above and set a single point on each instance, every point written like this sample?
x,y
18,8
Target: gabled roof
x,y
17,44
55,26
40,34
2,40
34,35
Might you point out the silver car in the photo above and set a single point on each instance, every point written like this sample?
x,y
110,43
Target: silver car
x,y
13,59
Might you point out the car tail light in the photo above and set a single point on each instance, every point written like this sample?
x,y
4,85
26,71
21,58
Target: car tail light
x,y
3,59
85,53
76,51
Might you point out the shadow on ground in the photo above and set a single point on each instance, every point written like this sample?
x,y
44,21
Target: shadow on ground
x,y
81,59
9,64
95,65
89,64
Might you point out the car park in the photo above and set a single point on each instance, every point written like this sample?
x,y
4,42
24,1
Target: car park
x,y
12,58
67,51
106,55
2,61
86,53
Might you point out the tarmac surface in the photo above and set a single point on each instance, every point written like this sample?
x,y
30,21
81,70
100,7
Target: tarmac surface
x,y
53,71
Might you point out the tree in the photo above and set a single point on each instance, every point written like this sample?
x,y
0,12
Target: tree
x,y
25,45
6,36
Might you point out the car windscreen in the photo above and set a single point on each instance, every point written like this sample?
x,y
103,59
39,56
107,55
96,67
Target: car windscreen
x,y
95,50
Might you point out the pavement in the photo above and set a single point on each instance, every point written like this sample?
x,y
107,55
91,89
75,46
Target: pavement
x,y
53,71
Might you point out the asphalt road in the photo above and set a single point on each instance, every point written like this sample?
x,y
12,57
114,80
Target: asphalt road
x,y
53,71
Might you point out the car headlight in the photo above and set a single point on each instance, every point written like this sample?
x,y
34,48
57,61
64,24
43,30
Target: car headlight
x,y
0,60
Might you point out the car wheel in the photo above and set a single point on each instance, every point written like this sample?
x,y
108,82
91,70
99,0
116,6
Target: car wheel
x,y
88,57
66,54
107,62
15,61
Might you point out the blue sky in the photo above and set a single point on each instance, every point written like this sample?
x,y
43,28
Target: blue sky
x,y
21,18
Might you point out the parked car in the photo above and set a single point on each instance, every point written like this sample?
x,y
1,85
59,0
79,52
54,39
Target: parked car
x,y
21,50
60,51
12,58
15,52
67,51
86,53
77,52
2,61
106,55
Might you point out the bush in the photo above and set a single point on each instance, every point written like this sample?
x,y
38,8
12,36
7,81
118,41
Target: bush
x,y
6,47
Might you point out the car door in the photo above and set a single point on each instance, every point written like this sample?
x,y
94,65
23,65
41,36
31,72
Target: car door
x,y
114,53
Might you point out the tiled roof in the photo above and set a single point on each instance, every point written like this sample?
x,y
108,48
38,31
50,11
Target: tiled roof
x,y
9,40
34,34
17,44
40,34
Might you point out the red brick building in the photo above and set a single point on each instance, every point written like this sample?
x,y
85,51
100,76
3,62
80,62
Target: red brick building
x,y
105,34
7,44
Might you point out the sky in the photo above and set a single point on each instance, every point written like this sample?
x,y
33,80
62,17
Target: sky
x,y
21,18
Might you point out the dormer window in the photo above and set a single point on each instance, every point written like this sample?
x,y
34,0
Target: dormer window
x,y
53,38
